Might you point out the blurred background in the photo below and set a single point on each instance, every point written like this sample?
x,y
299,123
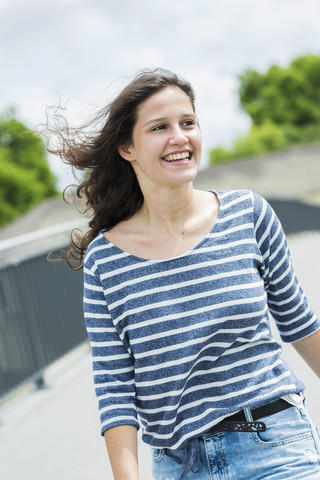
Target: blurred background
x,y
255,68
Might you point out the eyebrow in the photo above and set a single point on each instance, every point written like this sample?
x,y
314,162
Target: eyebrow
x,y
163,119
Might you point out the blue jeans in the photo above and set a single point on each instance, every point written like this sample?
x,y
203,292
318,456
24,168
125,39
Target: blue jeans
x,y
288,449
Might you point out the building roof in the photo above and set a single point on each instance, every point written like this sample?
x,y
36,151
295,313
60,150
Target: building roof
x,y
43,229
293,174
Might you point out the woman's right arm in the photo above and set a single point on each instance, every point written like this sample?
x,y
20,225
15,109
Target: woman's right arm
x,y
122,448
113,373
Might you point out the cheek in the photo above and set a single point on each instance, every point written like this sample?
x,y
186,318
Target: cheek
x,y
196,140
196,136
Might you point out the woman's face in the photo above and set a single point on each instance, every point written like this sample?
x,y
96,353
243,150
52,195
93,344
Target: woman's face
x,y
166,145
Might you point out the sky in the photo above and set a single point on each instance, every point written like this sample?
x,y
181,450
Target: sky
x,y
84,51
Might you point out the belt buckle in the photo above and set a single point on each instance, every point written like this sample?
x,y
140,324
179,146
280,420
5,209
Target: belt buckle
x,y
234,426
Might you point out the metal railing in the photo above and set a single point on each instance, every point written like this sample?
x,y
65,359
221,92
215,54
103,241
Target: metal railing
x,y
41,315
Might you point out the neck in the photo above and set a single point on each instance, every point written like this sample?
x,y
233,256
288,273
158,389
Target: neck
x,y
168,208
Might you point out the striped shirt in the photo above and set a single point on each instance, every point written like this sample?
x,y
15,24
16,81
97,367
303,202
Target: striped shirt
x,y
179,344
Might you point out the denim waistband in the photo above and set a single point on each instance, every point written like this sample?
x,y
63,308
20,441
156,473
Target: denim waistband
x,y
191,457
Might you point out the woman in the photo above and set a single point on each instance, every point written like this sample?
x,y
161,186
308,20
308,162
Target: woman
x,y
178,286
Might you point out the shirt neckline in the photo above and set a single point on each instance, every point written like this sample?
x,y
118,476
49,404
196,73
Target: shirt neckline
x,y
187,253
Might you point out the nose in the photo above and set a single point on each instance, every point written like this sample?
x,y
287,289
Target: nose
x,y
178,137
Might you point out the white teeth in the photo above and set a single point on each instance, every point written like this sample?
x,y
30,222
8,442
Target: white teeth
x,y
177,156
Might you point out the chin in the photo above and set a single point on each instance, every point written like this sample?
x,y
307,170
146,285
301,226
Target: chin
x,y
182,179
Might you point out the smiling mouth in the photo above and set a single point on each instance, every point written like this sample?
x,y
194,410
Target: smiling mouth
x,y
177,157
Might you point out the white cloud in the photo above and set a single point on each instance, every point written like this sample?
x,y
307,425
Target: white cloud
x,y
132,59
79,47
6,3
221,121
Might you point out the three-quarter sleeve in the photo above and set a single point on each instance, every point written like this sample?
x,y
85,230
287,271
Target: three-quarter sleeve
x,y
286,300
113,368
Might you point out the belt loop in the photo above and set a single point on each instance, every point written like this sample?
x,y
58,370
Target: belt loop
x,y
248,415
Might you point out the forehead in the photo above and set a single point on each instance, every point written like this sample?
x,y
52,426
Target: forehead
x,y
165,102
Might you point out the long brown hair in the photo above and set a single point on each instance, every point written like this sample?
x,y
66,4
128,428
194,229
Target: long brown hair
x,y
110,188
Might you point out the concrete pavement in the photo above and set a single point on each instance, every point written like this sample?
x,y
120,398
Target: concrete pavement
x,y
53,434
290,174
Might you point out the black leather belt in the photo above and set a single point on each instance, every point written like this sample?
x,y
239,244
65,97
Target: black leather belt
x,y
239,423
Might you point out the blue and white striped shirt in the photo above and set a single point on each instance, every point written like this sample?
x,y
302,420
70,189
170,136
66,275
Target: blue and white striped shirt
x,y
184,342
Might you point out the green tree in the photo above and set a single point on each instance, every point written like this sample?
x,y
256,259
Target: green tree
x,y
25,176
260,139
284,106
284,96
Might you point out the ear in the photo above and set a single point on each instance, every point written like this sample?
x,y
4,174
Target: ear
x,y
126,152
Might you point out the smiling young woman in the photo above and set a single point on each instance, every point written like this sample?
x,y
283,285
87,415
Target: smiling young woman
x,y
178,286
165,155
166,144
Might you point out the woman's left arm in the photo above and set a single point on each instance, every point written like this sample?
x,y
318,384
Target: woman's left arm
x,y
286,300
309,349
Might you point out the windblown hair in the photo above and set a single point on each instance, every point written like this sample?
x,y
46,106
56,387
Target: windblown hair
x,y
110,188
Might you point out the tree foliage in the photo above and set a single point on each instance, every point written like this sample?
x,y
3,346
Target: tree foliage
x,y
283,95
25,177
260,139
284,106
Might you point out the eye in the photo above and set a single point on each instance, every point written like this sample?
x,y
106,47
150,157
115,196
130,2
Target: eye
x,y
188,123
157,128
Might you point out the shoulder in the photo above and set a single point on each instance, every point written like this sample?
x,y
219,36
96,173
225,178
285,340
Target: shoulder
x,y
247,201
96,249
235,198
263,212
243,196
